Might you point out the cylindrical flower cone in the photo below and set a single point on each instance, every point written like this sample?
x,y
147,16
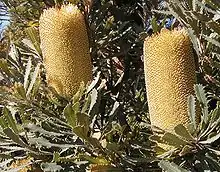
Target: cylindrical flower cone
x,y
170,78
65,47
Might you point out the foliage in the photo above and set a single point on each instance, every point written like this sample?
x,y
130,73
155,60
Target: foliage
x,y
201,19
196,144
106,123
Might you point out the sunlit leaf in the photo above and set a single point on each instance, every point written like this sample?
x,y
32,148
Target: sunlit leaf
x,y
201,96
34,37
192,110
211,140
70,115
48,167
33,79
10,120
173,140
183,132
171,167
27,73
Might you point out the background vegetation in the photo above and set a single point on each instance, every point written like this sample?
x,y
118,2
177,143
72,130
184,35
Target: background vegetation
x,y
106,123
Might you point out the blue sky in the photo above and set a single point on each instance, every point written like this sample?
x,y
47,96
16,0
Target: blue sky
x,y
3,21
3,25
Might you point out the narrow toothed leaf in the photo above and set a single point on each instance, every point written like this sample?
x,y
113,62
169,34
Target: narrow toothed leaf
x,y
192,110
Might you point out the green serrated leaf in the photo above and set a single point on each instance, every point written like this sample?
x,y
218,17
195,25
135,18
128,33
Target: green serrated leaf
x,y
41,141
215,115
78,130
192,110
154,24
113,146
194,41
94,102
214,26
19,88
70,115
185,150
36,86
194,5
170,167
183,132
78,95
3,122
213,5
83,121
93,83
6,2
113,112
211,127
56,157
212,40
164,22
155,138
190,4
86,104
34,128
201,96
114,109
94,160
211,140
27,73
11,122
76,107
4,67
48,167
15,138
217,152
212,161
6,155
191,128
33,79
34,37
173,140
200,17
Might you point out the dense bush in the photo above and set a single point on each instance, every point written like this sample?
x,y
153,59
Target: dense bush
x,y
105,126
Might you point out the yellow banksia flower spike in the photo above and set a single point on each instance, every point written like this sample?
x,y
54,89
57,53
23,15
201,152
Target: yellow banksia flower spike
x,y
65,48
170,77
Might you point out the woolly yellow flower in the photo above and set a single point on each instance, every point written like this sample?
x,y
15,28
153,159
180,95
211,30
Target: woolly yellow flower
x,y
170,77
65,47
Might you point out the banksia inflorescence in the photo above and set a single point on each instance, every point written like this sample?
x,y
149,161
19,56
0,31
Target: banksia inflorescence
x,y
65,47
170,77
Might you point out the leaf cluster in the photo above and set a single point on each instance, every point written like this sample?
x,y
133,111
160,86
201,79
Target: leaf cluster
x,y
106,123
